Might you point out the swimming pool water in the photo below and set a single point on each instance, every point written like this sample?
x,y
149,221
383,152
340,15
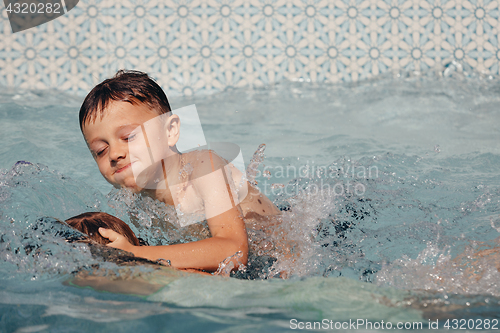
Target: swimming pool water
x,y
382,183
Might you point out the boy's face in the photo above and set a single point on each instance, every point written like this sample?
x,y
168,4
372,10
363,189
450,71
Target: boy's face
x,y
108,140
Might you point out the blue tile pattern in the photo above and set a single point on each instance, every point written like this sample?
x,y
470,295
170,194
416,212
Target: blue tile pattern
x,y
204,46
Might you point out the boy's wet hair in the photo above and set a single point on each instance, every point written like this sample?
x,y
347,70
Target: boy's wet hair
x,y
134,87
89,223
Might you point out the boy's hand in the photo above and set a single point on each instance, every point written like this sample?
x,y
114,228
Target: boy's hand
x,y
117,241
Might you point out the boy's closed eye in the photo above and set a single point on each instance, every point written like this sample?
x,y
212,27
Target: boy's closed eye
x,y
130,137
129,132
98,152
101,150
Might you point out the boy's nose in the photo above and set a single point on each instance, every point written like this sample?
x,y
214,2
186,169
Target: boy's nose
x,y
117,152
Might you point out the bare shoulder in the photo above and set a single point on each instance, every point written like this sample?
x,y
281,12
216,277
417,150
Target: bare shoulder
x,y
203,162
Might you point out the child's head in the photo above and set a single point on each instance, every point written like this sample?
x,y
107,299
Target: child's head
x,y
133,87
114,119
89,223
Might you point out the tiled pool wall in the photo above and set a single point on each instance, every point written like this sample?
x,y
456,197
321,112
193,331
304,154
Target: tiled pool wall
x,y
204,46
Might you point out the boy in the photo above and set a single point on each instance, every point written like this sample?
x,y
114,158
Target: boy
x,y
112,116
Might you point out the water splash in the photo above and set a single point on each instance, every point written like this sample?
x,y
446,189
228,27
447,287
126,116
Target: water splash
x,y
34,244
227,265
472,272
42,249
253,167
154,221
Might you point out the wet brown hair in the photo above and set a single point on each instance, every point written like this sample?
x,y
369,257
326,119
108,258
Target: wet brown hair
x,y
134,87
89,223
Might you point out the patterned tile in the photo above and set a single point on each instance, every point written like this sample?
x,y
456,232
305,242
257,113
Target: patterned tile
x,y
204,46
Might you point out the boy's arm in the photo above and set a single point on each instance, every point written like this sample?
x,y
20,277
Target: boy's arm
x,y
228,237
226,240
224,220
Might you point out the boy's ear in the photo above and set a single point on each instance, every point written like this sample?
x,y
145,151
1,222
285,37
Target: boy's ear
x,y
173,127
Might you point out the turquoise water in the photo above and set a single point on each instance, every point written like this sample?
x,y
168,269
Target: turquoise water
x,y
382,184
